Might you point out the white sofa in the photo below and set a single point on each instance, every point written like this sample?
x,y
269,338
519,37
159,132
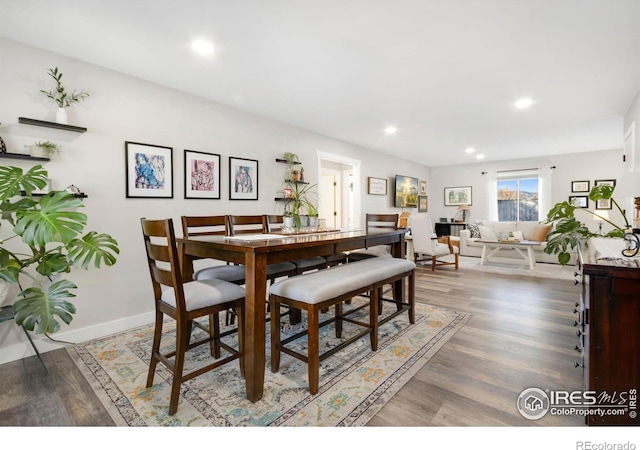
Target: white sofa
x,y
469,246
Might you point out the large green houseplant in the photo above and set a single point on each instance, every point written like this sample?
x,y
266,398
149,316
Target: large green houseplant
x,y
569,232
51,244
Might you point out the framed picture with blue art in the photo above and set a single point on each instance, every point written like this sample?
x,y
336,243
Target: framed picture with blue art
x,y
149,170
243,179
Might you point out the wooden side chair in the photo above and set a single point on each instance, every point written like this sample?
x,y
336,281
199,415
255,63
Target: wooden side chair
x,y
193,226
376,222
184,302
427,244
275,223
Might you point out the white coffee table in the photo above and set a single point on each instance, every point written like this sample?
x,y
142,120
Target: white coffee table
x,y
491,247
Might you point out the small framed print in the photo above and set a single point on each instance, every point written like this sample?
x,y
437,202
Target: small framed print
x,y
605,183
580,186
604,203
243,179
149,170
423,203
454,196
579,201
201,175
377,186
422,190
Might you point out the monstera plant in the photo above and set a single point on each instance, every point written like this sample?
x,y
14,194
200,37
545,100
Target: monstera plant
x,y
569,232
50,230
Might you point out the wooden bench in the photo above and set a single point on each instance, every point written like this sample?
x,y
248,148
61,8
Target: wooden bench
x,y
315,291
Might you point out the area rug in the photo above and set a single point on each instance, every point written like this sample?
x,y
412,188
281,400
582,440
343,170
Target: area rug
x,y
354,383
518,267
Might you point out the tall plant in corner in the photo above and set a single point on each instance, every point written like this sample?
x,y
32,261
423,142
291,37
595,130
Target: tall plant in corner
x,y
569,232
51,244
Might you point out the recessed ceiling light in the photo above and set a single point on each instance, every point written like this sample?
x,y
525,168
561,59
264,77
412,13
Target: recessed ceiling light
x,y
479,156
202,47
524,103
390,130
469,150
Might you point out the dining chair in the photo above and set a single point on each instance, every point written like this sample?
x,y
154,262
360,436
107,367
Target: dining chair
x,y
274,224
427,244
376,222
194,226
184,302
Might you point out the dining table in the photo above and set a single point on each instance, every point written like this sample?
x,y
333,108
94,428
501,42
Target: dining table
x,y
255,252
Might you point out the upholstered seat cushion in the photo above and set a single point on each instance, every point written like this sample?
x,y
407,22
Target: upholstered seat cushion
x,y
306,263
230,273
372,252
200,294
283,267
331,283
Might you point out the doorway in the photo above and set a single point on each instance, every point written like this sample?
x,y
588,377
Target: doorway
x,y
339,191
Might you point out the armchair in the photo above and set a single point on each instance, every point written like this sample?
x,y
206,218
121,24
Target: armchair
x,y
427,244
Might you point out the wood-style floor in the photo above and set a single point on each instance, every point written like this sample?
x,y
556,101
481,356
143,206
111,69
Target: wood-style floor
x,y
521,335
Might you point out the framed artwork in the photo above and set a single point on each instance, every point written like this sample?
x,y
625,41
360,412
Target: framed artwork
x,y
243,179
454,196
580,186
580,201
201,175
377,186
605,183
149,170
422,189
604,203
423,203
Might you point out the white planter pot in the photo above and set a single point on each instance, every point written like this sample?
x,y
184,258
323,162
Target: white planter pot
x,y
287,222
38,152
61,116
313,221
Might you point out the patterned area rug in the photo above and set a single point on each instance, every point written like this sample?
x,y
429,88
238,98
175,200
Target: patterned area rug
x,y
354,383
518,267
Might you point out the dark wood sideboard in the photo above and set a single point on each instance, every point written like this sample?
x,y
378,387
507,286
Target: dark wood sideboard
x,y
609,338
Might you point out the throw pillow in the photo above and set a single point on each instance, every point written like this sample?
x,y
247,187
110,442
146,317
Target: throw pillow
x,y
487,232
516,235
474,229
540,233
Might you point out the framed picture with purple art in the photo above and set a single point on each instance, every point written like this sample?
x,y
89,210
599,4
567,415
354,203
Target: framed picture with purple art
x,y
149,170
243,179
201,175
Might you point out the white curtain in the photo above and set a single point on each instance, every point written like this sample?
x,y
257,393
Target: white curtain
x,y
544,192
492,195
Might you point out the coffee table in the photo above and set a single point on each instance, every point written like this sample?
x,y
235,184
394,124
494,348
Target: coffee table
x,y
491,247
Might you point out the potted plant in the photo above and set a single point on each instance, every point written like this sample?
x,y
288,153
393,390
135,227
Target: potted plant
x,y
312,211
297,203
47,243
61,96
43,149
569,232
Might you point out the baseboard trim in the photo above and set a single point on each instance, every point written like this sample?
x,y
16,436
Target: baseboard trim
x,y
43,344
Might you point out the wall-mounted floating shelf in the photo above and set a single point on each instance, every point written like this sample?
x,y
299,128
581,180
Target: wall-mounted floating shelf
x,y
296,181
24,194
44,123
282,199
280,160
21,156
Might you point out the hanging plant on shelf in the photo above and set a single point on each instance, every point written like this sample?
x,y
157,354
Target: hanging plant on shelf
x,y
60,95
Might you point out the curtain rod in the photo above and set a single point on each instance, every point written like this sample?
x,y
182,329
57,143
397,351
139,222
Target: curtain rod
x,y
517,170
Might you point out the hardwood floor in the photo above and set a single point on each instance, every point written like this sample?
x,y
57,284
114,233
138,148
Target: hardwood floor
x,y
521,335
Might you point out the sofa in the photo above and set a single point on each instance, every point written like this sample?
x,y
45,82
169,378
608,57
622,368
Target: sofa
x,y
493,230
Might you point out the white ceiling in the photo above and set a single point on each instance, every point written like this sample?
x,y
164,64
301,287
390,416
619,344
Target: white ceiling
x,y
445,72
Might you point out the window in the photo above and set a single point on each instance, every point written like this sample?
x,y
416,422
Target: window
x,y
518,198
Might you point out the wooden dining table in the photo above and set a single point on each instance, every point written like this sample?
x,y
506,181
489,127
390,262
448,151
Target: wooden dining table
x,y
255,252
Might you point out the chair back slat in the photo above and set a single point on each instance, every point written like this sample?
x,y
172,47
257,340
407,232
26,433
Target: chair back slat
x,y
247,224
205,226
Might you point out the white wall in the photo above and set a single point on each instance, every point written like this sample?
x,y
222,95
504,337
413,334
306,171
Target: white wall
x,y
122,108
598,165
